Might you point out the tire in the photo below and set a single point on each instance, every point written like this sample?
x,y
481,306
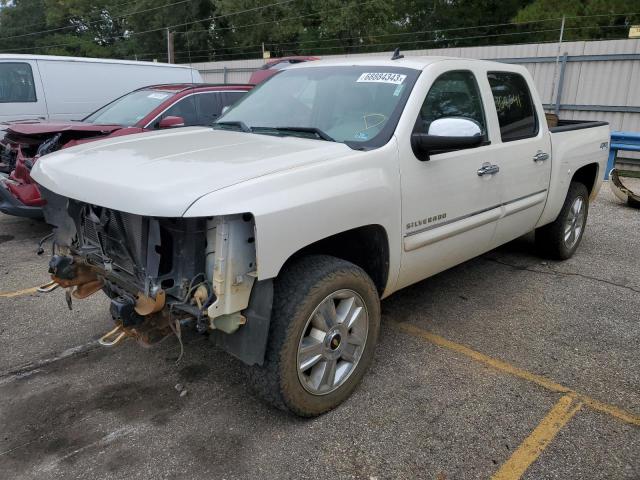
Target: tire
x,y
632,202
560,239
303,294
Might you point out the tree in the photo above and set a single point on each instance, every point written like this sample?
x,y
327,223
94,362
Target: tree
x,y
599,19
233,29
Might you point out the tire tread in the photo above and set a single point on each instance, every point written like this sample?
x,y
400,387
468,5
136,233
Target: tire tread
x,y
303,278
550,238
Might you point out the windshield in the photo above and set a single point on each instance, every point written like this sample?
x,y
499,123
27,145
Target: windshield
x,y
130,109
356,105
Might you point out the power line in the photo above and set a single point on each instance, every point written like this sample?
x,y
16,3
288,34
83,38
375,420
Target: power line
x,y
365,35
131,34
264,23
440,30
433,40
24,27
442,40
297,17
411,33
95,21
451,29
219,16
237,27
126,36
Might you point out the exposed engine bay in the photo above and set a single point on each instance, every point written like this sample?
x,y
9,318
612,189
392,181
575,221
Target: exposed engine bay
x,y
30,141
161,274
29,148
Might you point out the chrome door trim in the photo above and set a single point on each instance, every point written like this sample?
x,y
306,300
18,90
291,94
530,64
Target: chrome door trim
x,y
426,236
433,234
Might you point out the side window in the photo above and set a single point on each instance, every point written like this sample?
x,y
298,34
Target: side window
x,y
208,106
229,98
516,113
185,108
16,83
453,94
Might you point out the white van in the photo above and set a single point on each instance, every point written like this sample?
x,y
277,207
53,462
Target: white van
x,y
69,88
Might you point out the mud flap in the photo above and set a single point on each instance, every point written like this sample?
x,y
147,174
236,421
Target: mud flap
x,y
249,343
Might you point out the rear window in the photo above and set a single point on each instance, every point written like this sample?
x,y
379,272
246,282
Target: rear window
x,y
16,83
516,113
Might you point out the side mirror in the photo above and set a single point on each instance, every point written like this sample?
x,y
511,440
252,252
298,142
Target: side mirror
x,y
446,134
171,122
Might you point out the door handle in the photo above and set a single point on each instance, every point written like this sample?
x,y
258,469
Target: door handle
x,y
488,169
540,156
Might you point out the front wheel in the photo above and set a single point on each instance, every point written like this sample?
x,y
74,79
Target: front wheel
x,y
324,328
560,239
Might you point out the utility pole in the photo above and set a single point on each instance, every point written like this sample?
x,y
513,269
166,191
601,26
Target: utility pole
x,y
170,51
555,69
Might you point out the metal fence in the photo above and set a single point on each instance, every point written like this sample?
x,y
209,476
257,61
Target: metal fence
x,y
595,79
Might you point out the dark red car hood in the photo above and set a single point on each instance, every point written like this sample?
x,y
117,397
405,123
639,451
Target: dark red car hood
x,y
43,128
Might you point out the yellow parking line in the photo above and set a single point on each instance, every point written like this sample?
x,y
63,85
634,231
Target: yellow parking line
x,y
538,440
517,372
19,292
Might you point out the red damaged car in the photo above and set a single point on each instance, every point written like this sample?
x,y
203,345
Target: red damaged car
x,y
146,109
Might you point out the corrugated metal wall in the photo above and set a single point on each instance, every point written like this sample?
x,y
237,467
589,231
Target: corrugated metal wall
x,y
602,83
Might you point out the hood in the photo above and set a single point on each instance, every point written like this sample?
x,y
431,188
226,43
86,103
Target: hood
x,y
163,173
44,128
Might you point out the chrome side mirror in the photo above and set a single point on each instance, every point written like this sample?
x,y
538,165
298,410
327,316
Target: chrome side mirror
x,y
447,134
455,127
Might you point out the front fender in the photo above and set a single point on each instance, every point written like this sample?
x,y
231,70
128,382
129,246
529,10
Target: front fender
x,y
297,207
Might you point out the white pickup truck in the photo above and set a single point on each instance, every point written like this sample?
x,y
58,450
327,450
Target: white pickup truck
x,y
327,188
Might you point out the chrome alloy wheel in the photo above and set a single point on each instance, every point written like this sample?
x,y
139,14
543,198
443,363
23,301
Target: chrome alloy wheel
x,y
575,223
332,342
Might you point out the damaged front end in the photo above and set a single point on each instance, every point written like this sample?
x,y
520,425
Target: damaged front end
x,y
163,274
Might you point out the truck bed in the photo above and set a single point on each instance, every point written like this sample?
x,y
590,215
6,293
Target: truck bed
x,y
570,125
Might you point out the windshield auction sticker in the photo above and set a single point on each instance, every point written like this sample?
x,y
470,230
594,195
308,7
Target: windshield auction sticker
x,y
379,77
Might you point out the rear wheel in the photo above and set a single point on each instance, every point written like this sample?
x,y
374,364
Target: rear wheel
x,y
560,239
324,327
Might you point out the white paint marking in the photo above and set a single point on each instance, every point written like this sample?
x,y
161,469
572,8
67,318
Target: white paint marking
x,y
104,441
35,367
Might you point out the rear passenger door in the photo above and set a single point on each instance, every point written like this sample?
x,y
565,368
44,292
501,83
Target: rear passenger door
x,y
524,157
21,95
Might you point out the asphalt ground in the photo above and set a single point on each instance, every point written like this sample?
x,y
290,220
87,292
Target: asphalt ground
x,y
507,366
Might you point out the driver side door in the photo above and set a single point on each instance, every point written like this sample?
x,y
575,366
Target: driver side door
x,y
449,209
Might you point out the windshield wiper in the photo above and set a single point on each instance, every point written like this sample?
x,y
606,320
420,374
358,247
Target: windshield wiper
x,y
238,124
313,130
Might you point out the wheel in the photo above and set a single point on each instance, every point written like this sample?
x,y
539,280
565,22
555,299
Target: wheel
x,y
560,239
324,327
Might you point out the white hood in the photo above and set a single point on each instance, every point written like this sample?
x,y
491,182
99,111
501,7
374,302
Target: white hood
x,y
163,173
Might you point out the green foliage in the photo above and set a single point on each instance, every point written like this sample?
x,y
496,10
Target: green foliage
x,y
232,29
599,19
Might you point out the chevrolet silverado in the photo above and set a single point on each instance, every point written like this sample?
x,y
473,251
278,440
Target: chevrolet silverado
x,y
324,190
